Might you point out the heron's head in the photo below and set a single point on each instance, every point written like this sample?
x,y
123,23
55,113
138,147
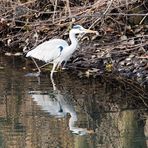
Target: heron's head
x,y
77,29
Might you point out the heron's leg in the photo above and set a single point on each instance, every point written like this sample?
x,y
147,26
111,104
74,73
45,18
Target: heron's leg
x,y
53,83
36,65
59,64
52,71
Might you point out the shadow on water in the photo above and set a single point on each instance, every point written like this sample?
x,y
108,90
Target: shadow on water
x,y
80,113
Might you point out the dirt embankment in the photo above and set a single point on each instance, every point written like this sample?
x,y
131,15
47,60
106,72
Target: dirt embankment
x,y
120,48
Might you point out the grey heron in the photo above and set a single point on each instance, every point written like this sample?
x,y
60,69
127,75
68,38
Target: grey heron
x,y
56,51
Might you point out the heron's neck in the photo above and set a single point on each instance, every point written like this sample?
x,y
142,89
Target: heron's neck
x,y
74,41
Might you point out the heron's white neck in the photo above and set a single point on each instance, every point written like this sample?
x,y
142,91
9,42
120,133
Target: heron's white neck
x,y
74,41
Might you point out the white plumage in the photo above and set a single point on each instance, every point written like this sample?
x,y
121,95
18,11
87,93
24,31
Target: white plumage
x,y
57,51
48,50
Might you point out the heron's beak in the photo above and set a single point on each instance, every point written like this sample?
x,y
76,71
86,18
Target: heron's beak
x,y
91,31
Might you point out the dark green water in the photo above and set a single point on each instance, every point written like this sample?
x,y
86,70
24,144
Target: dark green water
x,y
77,114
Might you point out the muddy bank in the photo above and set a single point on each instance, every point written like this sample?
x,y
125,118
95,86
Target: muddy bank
x,y
120,49
117,60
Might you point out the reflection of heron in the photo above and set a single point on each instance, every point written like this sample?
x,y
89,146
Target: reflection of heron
x,y
57,51
58,106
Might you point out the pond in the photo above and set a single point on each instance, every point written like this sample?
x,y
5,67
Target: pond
x,y
75,113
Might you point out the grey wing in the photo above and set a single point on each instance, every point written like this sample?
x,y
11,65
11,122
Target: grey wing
x,y
49,50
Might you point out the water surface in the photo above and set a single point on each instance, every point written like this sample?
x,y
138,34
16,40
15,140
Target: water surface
x,y
77,113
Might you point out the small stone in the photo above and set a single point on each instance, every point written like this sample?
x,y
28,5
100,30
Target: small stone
x,y
93,56
131,42
131,56
18,54
122,63
128,27
123,39
128,59
129,63
1,68
8,54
